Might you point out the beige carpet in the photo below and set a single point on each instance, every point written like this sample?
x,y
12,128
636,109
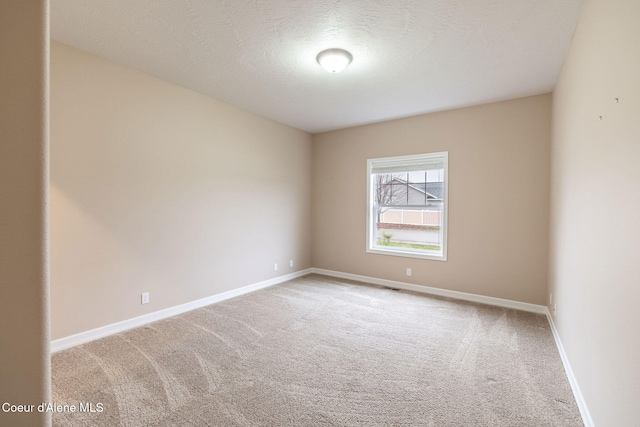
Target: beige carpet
x,y
321,351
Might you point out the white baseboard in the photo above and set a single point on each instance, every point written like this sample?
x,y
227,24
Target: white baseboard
x,y
523,306
94,334
577,393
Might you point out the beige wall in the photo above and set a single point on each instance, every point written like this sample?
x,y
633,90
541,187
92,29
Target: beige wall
x,y
595,239
498,198
24,305
155,188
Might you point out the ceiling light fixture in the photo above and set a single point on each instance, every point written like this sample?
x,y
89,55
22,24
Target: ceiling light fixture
x,y
334,60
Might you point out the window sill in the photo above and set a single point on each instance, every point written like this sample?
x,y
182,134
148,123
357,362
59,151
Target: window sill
x,y
408,254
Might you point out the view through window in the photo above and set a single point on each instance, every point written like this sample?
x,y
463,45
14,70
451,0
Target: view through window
x,y
407,205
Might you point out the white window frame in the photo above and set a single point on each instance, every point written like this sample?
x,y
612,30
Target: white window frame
x,y
406,161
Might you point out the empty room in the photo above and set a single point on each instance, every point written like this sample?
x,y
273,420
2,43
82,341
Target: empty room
x,y
310,213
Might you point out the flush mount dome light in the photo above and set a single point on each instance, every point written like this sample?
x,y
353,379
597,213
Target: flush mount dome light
x,y
334,60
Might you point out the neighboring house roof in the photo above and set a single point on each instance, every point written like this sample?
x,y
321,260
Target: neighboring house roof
x,y
433,190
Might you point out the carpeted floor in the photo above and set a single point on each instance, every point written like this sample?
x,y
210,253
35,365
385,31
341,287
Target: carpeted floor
x,y
322,351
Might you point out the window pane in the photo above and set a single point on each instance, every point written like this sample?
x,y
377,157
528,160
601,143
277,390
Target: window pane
x,y
409,189
409,228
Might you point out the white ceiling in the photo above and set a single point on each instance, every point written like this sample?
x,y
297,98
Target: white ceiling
x,y
409,56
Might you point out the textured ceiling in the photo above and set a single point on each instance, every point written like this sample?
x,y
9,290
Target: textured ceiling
x,y
409,56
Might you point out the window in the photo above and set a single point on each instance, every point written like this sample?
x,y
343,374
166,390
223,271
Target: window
x,y
407,206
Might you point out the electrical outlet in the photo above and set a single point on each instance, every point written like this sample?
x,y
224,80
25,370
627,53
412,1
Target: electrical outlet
x,y
554,308
145,298
275,267
291,263
408,272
